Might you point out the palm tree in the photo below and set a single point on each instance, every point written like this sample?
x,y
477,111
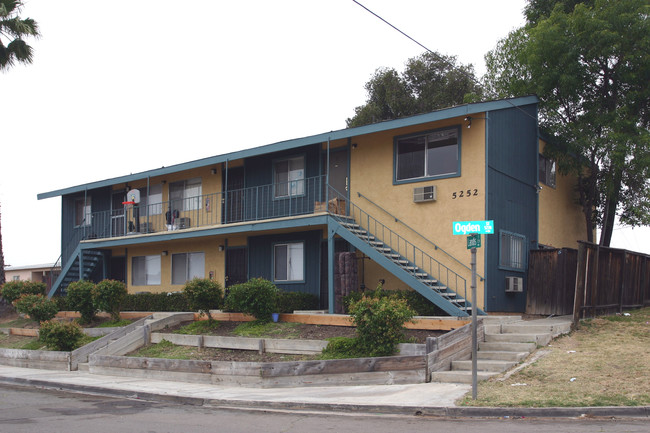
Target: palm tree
x,y
12,31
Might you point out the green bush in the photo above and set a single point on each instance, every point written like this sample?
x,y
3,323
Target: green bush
x,y
80,298
418,303
60,336
12,290
61,302
257,297
171,302
38,307
380,324
288,302
342,347
204,295
108,296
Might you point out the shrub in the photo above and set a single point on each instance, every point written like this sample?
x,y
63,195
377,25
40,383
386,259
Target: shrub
x,y
380,324
38,307
108,296
80,298
175,301
418,303
342,347
288,302
12,290
203,295
257,297
60,336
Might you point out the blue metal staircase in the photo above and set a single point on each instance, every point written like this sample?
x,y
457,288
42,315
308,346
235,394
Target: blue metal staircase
x,y
71,272
404,260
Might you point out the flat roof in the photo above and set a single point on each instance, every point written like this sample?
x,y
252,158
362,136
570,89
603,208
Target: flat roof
x,y
445,113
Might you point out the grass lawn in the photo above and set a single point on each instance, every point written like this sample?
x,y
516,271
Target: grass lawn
x,y
606,362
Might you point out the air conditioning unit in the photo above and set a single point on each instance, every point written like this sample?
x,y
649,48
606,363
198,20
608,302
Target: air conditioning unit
x,y
423,194
514,284
183,223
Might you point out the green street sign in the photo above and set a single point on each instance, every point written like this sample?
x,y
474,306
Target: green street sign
x,y
468,227
474,241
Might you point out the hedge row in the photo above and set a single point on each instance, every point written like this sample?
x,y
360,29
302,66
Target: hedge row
x,y
288,302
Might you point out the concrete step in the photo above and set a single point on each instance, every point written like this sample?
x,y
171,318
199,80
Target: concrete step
x,y
506,347
83,366
483,365
502,355
554,329
489,320
538,339
459,376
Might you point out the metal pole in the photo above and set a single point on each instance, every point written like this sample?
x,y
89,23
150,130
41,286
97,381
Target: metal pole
x,y
474,333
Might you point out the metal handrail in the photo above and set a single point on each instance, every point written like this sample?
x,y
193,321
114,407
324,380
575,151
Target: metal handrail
x,y
403,247
277,200
437,247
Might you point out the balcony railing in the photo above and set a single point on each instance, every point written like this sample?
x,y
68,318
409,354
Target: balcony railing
x,y
298,197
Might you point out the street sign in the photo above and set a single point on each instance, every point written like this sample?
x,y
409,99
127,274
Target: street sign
x,y
473,241
469,227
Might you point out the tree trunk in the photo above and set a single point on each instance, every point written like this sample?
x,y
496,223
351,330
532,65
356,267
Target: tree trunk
x,y
611,204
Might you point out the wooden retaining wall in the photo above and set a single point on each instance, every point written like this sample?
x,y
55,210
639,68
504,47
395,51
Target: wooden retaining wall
x,y
360,371
452,346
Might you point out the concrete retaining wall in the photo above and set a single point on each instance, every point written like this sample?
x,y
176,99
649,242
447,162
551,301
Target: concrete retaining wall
x,y
43,359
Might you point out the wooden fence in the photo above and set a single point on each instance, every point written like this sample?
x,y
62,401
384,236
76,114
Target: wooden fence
x,y
609,280
585,282
551,281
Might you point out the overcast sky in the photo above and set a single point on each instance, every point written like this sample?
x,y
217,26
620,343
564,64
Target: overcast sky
x,y
119,89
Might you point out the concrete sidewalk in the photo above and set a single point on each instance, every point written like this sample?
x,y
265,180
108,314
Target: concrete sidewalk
x,y
428,399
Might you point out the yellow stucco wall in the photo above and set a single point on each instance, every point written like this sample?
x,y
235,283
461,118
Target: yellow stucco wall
x,y
372,174
561,221
214,261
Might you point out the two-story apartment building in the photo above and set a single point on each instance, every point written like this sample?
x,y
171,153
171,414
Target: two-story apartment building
x,y
388,192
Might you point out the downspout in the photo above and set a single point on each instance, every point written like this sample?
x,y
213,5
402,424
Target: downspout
x,y
148,204
327,176
485,250
225,197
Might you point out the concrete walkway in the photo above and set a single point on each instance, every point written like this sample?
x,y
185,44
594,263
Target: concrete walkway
x,y
429,399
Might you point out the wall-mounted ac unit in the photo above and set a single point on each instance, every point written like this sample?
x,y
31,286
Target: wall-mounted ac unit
x,y
514,284
423,194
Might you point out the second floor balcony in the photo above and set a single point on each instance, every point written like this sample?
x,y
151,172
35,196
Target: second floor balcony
x,y
278,200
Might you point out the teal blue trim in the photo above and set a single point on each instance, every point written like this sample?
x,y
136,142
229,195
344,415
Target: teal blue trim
x,y
304,264
538,190
487,215
447,113
307,221
426,178
331,231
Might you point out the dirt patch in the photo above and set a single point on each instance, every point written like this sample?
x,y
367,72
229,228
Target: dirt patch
x,y
310,332
280,330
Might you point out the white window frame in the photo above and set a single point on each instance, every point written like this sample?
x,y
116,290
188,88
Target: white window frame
x,y
289,182
547,171
150,274
513,251
83,219
193,264
294,265
186,194
152,202
431,142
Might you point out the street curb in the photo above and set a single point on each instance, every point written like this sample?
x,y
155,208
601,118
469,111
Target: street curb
x,y
447,412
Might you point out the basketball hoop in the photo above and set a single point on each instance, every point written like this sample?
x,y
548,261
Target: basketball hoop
x,y
128,204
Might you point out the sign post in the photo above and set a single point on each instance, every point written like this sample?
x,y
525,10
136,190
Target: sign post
x,y
474,229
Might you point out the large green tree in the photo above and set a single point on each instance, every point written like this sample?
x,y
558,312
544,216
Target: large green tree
x,y
13,31
430,81
2,257
589,63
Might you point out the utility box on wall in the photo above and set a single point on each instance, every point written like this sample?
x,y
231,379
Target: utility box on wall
x,y
514,284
